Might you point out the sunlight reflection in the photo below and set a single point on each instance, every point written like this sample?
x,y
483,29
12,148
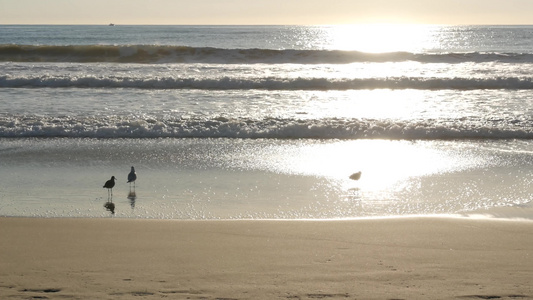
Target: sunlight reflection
x,y
374,104
376,38
383,163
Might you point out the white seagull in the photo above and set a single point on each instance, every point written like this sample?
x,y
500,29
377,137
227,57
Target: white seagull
x,y
132,176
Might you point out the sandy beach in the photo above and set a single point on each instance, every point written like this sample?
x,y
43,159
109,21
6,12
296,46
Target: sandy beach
x,y
403,258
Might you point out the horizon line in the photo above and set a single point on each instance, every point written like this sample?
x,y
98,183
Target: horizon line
x,y
337,24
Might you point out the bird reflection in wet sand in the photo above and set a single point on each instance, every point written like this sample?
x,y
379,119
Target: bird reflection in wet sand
x,y
110,206
132,176
132,197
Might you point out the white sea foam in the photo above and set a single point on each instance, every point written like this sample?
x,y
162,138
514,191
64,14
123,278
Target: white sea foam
x,y
120,127
228,83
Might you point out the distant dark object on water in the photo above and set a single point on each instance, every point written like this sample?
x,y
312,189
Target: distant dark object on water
x,y
355,176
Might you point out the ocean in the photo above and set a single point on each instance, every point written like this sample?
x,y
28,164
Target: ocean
x,y
266,122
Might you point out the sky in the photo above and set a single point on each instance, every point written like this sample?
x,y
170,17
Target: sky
x,y
266,12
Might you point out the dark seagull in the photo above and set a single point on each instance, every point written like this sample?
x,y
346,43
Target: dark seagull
x,y
109,185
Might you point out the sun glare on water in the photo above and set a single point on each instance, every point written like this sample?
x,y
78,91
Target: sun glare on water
x,y
383,163
379,38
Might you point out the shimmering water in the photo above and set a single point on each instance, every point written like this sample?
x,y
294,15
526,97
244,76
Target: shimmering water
x,y
266,121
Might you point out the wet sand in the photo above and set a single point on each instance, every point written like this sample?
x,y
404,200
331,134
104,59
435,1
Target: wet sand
x,y
404,258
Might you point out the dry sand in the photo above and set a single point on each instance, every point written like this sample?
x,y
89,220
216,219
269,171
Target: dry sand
x,y
406,258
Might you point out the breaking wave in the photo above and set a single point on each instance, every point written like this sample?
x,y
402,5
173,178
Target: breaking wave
x,y
273,83
184,54
221,127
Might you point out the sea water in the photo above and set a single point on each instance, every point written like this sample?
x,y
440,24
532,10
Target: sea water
x,y
266,122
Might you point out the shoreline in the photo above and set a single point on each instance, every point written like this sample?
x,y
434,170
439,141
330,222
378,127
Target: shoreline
x,y
389,258
296,179
497,214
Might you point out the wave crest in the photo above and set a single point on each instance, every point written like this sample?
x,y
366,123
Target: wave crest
x,y
228,83
184,54
221,127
